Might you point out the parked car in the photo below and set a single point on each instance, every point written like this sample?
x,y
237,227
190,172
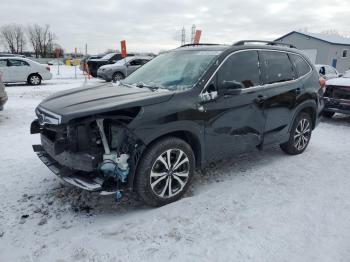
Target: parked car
x,y
124,67
337,96
327,71
11,55
3,95
183,109
17,69
95,64
55,62
85,59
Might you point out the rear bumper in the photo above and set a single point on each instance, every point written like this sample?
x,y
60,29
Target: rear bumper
x,y
86,181
337,105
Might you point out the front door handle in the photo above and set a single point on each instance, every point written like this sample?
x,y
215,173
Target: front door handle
x,y
260,99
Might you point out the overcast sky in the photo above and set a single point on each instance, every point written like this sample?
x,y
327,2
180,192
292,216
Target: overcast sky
x,y
151,25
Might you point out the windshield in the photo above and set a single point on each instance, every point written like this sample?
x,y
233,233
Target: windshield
x,y
174,70
108,56
123,61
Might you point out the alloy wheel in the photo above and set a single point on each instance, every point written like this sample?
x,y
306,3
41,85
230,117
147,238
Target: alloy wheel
x,y
34,80
170,173
302,134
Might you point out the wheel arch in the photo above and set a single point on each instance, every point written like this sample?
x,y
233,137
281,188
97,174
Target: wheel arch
x,y
34,73
308,107
189,137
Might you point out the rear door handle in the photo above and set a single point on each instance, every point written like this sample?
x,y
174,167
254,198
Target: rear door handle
x,y
260,99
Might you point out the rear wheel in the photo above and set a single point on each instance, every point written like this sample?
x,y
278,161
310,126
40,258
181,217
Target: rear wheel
x,y
117,77
34,80
328,114
300,135
165,172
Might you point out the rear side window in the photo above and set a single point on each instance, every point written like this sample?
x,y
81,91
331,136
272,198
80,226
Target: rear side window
x,y
241,67
300,65
277,67
13,62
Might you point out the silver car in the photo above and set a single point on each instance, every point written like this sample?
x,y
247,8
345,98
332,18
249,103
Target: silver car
x,y
3,95
122,68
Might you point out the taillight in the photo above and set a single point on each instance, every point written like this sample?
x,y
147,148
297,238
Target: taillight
x,y
48,68
322,82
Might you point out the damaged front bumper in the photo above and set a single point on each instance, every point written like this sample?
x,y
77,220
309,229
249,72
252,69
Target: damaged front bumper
x,y
337,105
86,181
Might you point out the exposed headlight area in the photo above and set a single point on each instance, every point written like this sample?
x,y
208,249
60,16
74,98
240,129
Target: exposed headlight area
x,y
47,117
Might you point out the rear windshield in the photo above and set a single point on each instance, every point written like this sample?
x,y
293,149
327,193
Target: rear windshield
x,y
177,70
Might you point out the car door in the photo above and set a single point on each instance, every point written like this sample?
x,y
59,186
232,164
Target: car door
x,y
4,72
18,70
234,123
134,64
282,91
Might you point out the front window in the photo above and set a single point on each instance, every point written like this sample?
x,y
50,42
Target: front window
x,y
176,70
108,56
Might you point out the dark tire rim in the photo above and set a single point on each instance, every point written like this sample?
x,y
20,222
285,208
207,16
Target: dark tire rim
x,y
302,134
170,173
117,77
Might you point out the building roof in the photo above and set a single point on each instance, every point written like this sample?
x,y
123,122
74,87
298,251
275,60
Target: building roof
x,y
332,39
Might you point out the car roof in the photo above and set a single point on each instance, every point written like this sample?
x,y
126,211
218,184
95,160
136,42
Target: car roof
x,y
231,48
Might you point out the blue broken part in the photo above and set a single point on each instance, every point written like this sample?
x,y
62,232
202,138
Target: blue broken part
x,y
118,195
111,169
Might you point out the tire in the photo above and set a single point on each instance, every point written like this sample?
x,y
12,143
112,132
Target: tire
x,y
300,135
34,79
117,77
156,184
328,114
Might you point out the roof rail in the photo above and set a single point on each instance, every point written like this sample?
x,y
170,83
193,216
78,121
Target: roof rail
x,y
243,42
199,44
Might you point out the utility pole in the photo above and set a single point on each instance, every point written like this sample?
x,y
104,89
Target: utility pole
x,y
183,36
85,49
193,31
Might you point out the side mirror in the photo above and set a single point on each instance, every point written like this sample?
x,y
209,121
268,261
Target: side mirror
x,y
231,87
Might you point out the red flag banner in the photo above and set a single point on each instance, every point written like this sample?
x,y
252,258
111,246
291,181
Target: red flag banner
x,y
197,36
123,48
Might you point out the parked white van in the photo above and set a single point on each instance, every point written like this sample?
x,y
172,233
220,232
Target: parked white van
x,y
18,69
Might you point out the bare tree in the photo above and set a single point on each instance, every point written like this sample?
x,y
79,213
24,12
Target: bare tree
x,y
41,39
13,38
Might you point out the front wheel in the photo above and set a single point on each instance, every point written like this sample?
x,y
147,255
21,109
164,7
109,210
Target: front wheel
x,y
300,135
165,172
117,77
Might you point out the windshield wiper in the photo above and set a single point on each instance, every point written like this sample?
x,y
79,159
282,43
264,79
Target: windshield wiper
x,y
150,87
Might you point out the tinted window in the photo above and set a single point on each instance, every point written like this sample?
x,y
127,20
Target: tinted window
x,y
277,67
13,62
136,62
3,63
242,67
301,66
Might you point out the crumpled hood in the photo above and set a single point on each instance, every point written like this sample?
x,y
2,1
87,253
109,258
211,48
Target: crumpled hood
x,y
86,101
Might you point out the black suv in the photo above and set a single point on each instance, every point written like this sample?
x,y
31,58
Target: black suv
x,y
95,63
184,109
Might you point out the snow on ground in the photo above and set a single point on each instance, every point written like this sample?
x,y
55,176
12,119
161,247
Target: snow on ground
x,y
263,206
